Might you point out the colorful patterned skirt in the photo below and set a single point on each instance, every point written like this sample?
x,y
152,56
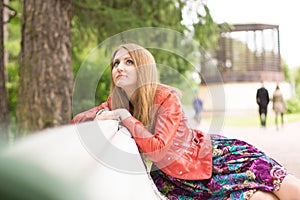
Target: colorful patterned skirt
x,y
239,169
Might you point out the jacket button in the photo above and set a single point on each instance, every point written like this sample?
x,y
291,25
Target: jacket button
x,y
180,172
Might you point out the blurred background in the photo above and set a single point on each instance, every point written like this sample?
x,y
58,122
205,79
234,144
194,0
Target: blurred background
x,y
241,43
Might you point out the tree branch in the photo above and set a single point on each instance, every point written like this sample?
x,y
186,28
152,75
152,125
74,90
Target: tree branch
x,y
12,14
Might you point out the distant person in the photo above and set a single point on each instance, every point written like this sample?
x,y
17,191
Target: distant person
x,y
278,105
262,99
198,106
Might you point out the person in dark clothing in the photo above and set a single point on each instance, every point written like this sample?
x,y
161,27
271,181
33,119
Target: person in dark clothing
x,y
197,105
262,99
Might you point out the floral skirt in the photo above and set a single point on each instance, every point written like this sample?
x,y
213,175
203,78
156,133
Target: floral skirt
x,y
239,169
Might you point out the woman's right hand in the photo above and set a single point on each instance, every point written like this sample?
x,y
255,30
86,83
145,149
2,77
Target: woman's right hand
x,y
106,115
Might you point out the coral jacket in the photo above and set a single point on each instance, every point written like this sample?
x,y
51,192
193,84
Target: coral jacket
x,y
173,146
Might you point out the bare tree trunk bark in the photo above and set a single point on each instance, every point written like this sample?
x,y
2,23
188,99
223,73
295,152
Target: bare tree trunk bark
x,y
4,114
46,75
5,31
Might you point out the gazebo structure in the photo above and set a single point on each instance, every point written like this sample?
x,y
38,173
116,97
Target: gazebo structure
x,y
247,52
247,55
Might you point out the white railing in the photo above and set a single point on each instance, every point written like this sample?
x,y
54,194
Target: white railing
x,y
97,158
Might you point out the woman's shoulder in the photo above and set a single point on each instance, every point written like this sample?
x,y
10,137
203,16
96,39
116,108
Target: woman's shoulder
x,y
165,91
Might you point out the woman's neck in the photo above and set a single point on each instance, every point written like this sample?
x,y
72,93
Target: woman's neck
x,y
130,92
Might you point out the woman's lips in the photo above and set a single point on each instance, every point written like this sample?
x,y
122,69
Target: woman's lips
x,y
120,76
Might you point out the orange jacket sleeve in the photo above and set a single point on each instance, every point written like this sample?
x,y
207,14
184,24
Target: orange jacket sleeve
x,y
90,114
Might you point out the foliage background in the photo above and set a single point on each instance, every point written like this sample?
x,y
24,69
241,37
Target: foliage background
x,y
94,21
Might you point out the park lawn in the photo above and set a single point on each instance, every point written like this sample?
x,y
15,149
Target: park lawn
x,y
254,120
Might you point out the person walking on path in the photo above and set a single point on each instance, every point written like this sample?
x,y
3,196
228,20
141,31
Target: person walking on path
x,y
262,99
278,106
198,106
187,163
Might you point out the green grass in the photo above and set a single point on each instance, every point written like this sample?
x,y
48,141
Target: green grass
x,y
254,120
251,120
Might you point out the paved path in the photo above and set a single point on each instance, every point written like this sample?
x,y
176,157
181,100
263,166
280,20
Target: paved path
x,y
283,144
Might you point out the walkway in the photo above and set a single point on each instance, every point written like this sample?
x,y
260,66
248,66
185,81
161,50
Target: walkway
x,y
283,145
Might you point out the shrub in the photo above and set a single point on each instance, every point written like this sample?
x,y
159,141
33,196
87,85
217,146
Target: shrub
x,y
293,105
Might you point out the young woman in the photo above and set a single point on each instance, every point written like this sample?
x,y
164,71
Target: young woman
x,y
187,163
278,106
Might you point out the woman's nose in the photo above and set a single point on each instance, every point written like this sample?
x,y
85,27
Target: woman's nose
x,y
120,67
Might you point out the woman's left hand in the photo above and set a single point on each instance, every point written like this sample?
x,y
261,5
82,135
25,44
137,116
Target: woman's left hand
x,y
117,114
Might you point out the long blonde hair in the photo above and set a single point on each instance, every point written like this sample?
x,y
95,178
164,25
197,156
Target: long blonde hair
x,y
142,101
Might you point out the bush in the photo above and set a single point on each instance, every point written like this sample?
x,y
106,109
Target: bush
x,y
293,105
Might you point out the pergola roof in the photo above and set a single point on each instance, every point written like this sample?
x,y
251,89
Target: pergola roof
x,y
252,27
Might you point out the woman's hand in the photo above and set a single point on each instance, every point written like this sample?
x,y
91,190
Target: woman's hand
x,y
122,113
117,114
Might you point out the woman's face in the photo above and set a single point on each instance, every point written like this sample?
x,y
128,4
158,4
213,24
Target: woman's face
x,y
124,71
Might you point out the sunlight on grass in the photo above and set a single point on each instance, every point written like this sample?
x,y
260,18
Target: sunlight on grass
x,y
254,120
251,120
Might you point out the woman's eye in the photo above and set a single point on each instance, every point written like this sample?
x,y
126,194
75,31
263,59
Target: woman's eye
x,y
115,64
129,62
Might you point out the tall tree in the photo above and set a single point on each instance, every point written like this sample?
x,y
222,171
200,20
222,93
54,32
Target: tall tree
x,y
4,115
46,77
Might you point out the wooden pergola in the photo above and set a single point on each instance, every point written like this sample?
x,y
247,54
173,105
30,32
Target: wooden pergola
x,y
247,53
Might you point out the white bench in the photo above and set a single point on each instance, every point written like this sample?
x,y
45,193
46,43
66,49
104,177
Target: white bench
x,y
96,158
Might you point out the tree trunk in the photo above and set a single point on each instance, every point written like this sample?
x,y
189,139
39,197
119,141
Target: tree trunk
x,y
4,114
46,75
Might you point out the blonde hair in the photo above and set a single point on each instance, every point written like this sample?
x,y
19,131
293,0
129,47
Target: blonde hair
x,y
142,101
